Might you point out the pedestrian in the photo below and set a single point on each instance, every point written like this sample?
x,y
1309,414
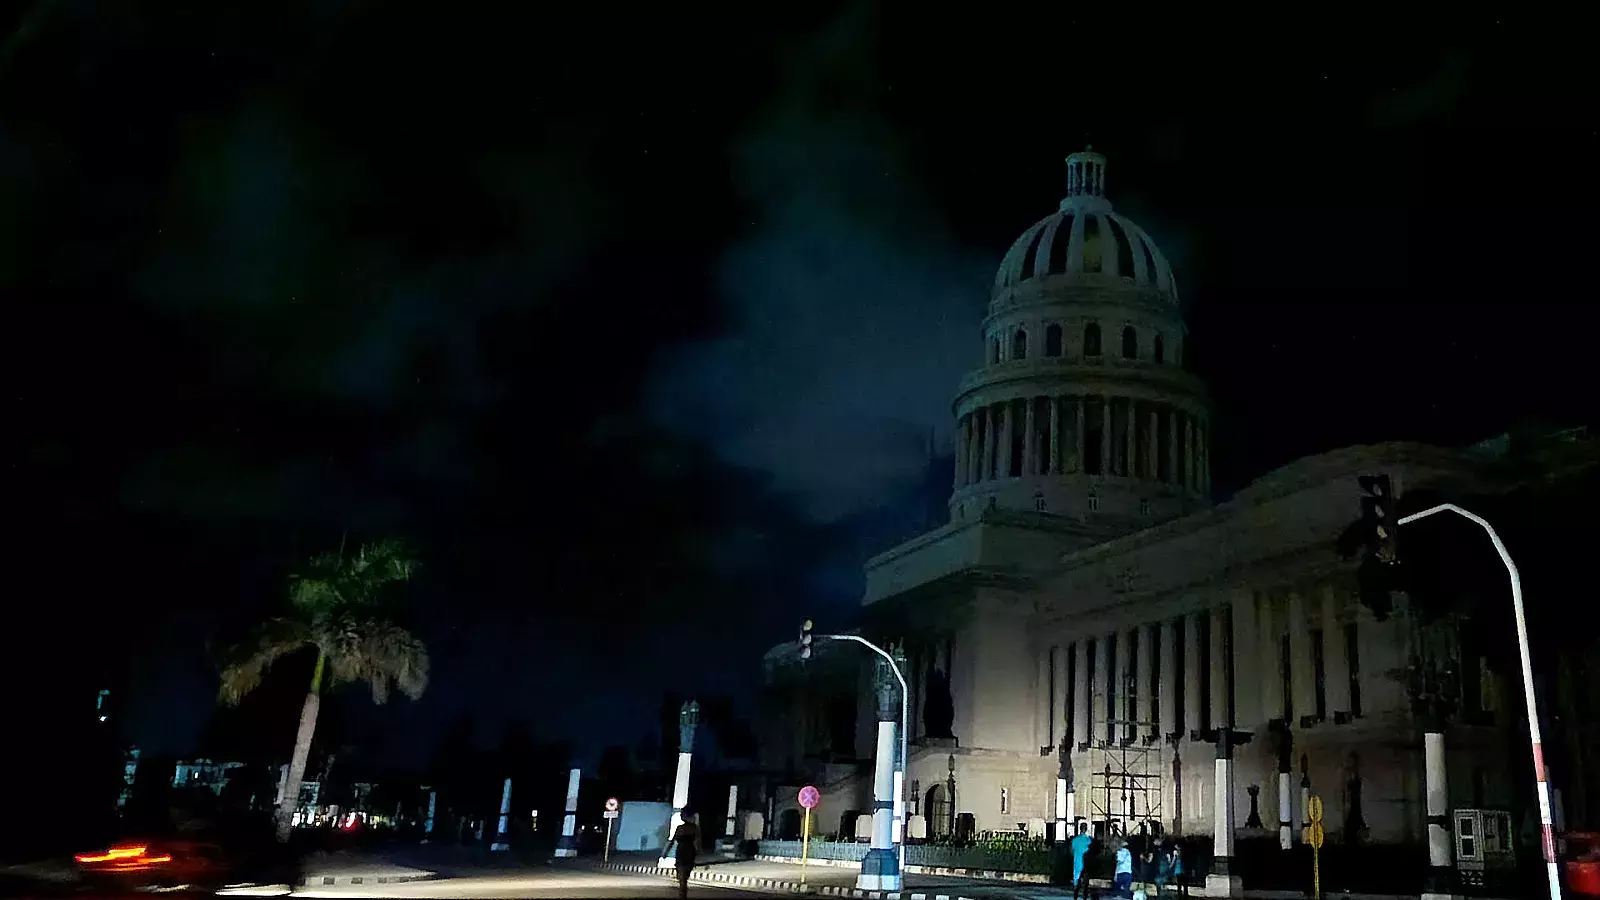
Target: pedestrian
x,y
1080,852
1177,870
1122,882
687,840
1163,868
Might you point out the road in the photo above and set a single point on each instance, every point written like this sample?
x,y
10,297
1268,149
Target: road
x,y
532,883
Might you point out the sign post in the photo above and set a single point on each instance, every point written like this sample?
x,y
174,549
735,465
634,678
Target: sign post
x,y
1315,835
613,809
809,798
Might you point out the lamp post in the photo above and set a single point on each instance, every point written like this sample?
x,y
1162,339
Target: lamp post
x,y
688,720
1541,785
905,717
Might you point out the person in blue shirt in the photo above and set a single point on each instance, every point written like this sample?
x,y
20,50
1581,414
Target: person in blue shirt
x,y
1080,851
1123,881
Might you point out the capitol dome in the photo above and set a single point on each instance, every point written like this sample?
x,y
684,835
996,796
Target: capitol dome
x,y
1086,242
1079,408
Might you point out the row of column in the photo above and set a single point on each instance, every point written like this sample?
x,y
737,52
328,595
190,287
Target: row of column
x,y
1094,434
1192,673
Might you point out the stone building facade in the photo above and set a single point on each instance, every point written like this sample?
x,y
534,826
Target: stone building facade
x,y
1088,590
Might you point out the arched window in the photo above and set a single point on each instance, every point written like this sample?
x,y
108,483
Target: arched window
x,y
994,351
1091,339
1019,345
1130,343
1052,341
1158,350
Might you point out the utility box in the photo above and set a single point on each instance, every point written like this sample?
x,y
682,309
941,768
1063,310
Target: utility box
x,y
1483,844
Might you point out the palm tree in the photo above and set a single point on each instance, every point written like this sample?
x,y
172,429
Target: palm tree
x,y
334,609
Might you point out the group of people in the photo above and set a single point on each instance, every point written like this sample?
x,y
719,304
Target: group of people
x,y
1160,862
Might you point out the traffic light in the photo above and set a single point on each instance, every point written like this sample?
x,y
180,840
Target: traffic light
x,y
1378,518
805,639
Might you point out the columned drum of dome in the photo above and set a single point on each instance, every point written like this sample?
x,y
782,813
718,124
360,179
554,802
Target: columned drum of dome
x,y
1080,406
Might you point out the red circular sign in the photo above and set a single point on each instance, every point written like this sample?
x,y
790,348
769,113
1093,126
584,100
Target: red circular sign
x,y
612,805
810,797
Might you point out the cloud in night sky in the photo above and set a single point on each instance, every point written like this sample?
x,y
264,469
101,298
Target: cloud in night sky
x,y
853,314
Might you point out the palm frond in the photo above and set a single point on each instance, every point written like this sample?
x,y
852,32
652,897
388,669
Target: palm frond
x,y
376,651
248,662
331,581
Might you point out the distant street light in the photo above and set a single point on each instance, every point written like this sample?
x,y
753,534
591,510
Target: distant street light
x,y
1541,785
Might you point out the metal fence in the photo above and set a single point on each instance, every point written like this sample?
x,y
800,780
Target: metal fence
x,y
1000,855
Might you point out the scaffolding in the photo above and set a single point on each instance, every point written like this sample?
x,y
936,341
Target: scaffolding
x,y
1127,775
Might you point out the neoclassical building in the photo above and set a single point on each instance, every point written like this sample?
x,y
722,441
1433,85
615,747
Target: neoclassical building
x,y
1088,590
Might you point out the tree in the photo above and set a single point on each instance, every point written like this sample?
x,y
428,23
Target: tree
x,y
336,610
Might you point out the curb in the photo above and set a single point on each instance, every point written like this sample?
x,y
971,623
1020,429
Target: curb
x,y
336,880
789,887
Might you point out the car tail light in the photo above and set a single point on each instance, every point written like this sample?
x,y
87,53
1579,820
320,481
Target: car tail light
x,y
128,857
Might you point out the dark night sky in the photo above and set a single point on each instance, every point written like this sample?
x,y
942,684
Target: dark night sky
x,y
638,322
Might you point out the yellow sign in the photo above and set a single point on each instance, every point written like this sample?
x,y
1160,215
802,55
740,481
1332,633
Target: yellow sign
x,y
1314,837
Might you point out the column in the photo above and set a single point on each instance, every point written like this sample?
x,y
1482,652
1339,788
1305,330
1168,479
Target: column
x,y
1269,634
1097,722
1285,810
1436,883
688,720
1145,713
1153,452
1059,715
1127,646
974,445
1029,442
1044,722
1203,446
1172,447
1065,812
1191,672
1246,664
1220,881
568,844
1105,435
1304,683
1166,690
880,870
1131,439
1008,415
963,438
1079,404
1336,678
1054,467
1080,692
1219,669
731,829
1188,452
988,468
501,839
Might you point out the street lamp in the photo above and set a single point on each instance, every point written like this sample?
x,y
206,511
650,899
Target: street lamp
x,y
905,716
1541,785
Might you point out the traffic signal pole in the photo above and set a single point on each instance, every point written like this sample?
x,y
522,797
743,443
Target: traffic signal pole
x,y
905,721
1540,776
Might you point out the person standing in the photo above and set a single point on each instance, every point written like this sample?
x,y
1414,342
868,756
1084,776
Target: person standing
x,y
687,840
1177,870
1123,880
1080,853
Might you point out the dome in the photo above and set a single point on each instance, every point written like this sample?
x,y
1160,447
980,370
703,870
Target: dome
x,y
1086,241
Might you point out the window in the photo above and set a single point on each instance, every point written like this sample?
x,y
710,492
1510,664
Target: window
x,y
1144,507
1319,672
1352,650
1038,502
994,351
1052,340
1094,503
1091,339
1158,350
1130,343
1019,345
1005,801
